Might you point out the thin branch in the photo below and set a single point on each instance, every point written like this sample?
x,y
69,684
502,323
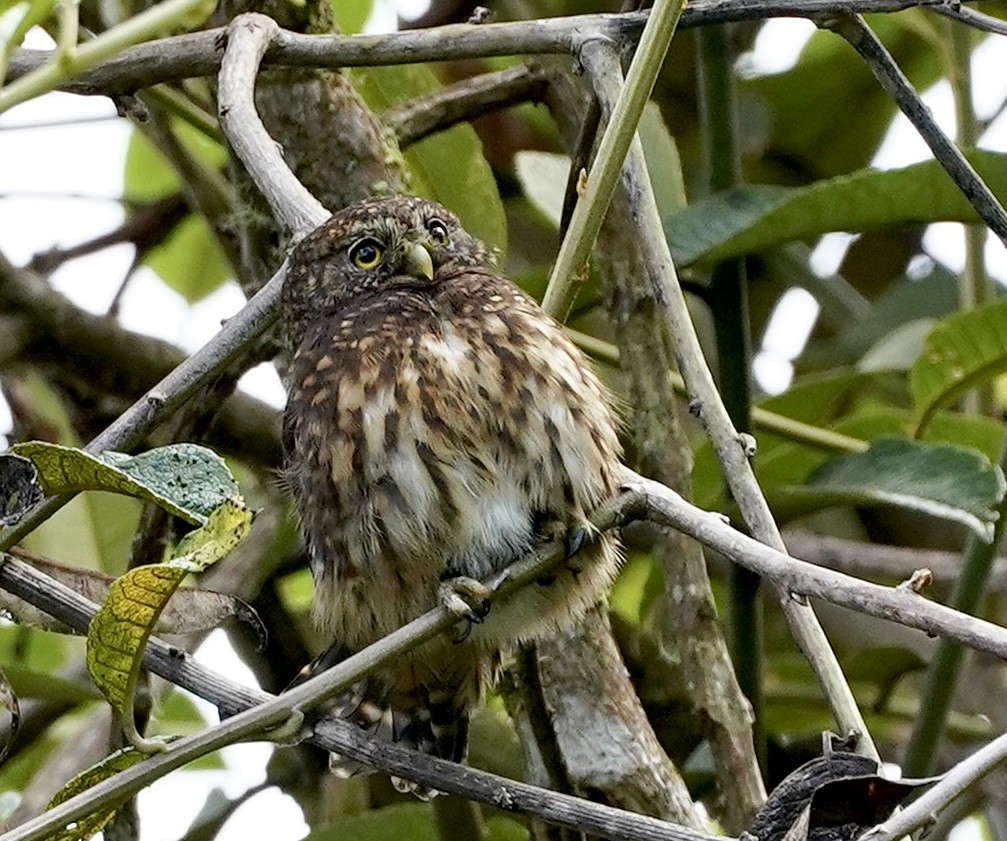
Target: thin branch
x,y
970,17
959,779
248,38
199,53
732,449
859,35
465,100
237,334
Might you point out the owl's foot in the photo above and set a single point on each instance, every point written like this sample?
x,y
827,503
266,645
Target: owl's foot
x,y
465,597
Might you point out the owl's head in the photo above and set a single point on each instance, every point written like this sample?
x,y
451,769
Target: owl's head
x,y
373,246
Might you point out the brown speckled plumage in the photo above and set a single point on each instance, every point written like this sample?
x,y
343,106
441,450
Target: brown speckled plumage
x,y
435,428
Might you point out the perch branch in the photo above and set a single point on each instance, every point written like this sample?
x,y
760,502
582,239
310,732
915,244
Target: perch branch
x,y
859,35
254,711
733,450
199,53
248,38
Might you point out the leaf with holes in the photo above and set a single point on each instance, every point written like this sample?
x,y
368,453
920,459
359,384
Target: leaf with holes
x,y
963,351
186,480
119,630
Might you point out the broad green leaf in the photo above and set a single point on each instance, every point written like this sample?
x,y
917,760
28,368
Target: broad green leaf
x,y
351,15
939,480
964,350
185,479
448,167
111,765
120,629
190,260
807,138
149,176
747,220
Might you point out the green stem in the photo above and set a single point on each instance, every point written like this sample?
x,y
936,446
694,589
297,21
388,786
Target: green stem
x,y
139,28
945,667
615,143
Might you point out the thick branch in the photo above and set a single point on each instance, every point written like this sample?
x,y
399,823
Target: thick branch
x,y
248,38
199,54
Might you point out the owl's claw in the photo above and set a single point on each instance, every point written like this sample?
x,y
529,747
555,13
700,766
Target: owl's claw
x,y
574,540
466,598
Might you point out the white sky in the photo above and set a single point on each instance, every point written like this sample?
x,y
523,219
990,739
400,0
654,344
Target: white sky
x,y
35,215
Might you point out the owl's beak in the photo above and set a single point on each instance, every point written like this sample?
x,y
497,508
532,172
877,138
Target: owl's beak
x,y
418,262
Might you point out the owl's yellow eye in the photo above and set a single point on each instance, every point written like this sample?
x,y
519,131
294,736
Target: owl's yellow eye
x,y
438,231
366,253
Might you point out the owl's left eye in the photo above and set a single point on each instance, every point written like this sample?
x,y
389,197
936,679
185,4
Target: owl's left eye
x,y
366,253
438,231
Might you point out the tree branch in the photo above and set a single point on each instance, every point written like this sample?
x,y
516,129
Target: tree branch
x,y
199,53
859,35
248,38
237,334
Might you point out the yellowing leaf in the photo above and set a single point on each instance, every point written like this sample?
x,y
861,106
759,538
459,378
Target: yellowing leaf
x,y
119,630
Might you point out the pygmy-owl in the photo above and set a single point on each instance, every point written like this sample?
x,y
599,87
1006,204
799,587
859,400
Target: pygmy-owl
x,y
439,423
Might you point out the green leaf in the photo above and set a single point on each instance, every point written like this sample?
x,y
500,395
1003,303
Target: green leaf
x,y
190,260
449,166
963,351
543,181
351,15
187,480
148,176
940,480
16,18
119,631
747,220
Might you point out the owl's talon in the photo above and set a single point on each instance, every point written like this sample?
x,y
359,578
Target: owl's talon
x,y
466,598
574,540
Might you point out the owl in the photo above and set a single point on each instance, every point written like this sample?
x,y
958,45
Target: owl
x,y
438,426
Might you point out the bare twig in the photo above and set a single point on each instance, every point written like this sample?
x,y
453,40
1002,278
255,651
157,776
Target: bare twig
x,y
859,35
248,38
237,334
732,449
199,54
465,100
971,17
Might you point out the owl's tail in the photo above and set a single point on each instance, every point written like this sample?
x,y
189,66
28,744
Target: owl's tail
x,y
430,718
